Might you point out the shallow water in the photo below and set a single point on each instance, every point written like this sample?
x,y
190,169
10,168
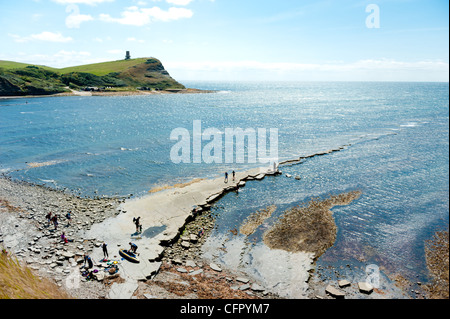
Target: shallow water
x,y
396,152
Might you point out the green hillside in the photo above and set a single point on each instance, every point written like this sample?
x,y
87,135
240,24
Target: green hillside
x,y
10,65
104,68
27,79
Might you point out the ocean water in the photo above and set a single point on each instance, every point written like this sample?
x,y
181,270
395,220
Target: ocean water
x,y
396,138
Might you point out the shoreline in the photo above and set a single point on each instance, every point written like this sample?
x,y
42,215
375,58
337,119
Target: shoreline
x,y
169,217
112,93
25,233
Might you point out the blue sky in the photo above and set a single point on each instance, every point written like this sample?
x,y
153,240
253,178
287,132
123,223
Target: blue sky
x,y
237,40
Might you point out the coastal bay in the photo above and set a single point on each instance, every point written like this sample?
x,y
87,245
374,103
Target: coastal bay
x,y
111,148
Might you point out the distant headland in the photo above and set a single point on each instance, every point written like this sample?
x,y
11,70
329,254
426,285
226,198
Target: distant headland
x,y
122,77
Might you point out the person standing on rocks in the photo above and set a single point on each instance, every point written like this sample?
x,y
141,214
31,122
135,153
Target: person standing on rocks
x,y
226,177
234,175
49,218
137,221
105,250
55,222
69,218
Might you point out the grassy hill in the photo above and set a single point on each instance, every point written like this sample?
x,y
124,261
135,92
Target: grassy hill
x,y
103,68
19,282
27,79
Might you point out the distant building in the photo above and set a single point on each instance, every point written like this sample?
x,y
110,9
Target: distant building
x,y
127,55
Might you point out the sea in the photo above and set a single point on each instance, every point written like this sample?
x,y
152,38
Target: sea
x,y
394,140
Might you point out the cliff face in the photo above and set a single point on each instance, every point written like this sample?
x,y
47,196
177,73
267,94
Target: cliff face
x,y
7,88
33,80
149,74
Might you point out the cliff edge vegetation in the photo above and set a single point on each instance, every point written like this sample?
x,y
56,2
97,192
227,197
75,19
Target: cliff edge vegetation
x,y
19,79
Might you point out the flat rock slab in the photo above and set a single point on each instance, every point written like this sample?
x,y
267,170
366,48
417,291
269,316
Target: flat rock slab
x,y
196,272
214,267
243,280
337,293
344,283
67,254
244,287
123,291
365,287
256,287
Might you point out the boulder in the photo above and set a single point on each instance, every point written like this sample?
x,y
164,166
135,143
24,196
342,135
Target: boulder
x,y
193,238
177,261
185,244
67,255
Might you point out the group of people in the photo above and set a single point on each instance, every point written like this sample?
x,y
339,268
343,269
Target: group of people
x,y
88,260
53,219
226,176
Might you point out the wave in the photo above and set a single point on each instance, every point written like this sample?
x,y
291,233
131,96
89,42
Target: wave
x,y
129,149
52,181
410,124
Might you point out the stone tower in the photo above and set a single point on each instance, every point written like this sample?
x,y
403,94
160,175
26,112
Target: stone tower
x,y
127,55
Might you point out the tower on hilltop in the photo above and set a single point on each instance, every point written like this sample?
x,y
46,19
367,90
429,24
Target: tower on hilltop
x,y
127,55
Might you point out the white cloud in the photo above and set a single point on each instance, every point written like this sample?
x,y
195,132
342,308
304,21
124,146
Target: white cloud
x,y
59,59
117,51
75,20
135,40
179,2
88,2
43,36
142,16
51,37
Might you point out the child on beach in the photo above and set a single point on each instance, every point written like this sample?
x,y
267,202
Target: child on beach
x,y
64,238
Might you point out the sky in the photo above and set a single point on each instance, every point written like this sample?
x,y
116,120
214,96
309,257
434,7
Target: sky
x,y
237,40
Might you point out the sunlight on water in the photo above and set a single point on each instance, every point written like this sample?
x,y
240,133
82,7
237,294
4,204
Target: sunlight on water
x,y
394,149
